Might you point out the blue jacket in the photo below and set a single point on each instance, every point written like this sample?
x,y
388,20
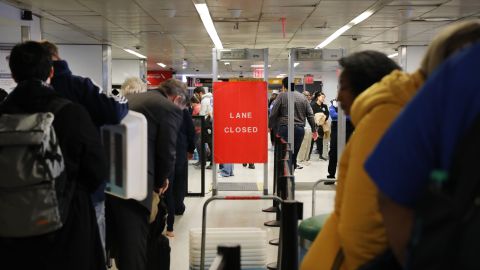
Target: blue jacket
x,y
424,136
333,112
103,110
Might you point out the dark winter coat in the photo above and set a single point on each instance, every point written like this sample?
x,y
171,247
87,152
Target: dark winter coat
x,y
164,119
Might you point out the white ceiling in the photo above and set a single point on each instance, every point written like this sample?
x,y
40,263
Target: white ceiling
x,y
169,31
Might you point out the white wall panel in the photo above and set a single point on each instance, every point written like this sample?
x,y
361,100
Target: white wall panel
x,y
122,69
84,60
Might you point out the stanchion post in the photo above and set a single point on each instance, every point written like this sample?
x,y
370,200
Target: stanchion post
x,y
288,247
231,257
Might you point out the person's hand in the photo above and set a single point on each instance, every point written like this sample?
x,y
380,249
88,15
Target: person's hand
x,y
164,187
190,156
315,135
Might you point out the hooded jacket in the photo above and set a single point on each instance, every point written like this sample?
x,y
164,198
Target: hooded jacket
x,y
103,110
356,225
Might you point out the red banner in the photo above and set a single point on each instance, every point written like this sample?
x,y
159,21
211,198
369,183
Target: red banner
x,y
156,77
240,122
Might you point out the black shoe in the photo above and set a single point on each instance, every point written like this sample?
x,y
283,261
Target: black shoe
x,y
244,164
298,167
331,176
251,166
322,158
209,167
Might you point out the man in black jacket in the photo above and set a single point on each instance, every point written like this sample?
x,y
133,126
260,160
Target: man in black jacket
x,y
77,244
103,109
130,217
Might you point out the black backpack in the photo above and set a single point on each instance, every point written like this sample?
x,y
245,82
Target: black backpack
x,y
446,232
158,245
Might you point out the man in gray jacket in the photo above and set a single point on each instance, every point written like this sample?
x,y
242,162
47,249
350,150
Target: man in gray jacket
x,y
128,230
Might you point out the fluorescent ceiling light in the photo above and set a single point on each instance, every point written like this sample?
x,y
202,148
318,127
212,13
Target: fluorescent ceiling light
x,y
162,65
202,10
259,66
439,19
296,64
360,18
227,63
135,53
184,67
281,76
393,55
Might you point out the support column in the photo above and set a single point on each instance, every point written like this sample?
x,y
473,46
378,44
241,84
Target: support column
x,y
25,33
214,165
410,57
143,70
291,102
265,165
106,68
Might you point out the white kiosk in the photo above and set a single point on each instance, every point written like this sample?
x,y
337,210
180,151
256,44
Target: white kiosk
x,y
127,156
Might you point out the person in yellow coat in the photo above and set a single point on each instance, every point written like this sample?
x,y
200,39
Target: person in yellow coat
x,y
356,228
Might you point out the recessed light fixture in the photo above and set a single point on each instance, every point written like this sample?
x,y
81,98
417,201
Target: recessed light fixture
x,y
135,53
437,19
202,10
162,65
393,55
296,64
360,18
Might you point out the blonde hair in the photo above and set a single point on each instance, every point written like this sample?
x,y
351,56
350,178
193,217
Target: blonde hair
x,y
447,42
133,85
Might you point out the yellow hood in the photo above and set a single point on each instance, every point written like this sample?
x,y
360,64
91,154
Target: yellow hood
x,y
396,89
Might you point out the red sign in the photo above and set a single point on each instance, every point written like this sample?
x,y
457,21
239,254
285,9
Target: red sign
x,y
156,77
240,122
308,79
258,73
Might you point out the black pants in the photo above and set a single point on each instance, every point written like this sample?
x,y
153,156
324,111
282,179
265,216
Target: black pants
x,y
180,183
170,201
127,232
332,154
298,134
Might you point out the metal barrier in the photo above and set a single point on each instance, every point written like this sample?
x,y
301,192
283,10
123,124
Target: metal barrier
x,y
228,258
229,198
314,190
281,168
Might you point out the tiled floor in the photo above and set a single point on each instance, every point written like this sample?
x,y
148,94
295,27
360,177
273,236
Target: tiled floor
x,y
242,213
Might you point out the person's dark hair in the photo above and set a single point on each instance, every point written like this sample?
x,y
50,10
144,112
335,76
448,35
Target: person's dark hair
x,y
317,94
365,68
199,90
51,48
285,82
173,87
194,99
30,60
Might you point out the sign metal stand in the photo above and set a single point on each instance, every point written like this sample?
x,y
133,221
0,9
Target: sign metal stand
x,y
232,55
